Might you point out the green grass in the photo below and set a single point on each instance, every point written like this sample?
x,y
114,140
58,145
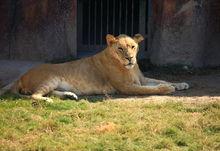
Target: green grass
x,y
108,125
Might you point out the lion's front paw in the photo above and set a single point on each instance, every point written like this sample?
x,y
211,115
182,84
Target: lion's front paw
x,y
166,89
181,86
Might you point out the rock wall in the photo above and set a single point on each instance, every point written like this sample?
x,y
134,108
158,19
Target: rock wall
x,y
212,47
4,28
183,34
38,29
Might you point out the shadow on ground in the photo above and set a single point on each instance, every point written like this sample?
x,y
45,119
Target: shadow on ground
x,y
202,83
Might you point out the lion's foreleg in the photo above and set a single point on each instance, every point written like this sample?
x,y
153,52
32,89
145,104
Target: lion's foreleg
x,y
144,90
150,82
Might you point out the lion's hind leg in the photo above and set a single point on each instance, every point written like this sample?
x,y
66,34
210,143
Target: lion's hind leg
x,y
43,90
38,96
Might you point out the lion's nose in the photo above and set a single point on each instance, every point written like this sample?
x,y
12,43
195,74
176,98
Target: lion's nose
x,y
128,58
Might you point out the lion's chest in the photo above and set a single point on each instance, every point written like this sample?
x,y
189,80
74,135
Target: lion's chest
x,y
134,78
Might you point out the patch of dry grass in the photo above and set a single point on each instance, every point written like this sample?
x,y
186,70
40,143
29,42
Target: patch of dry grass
x,y
134,124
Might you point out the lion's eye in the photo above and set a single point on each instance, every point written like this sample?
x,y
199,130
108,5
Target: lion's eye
x,y
132,47
120,48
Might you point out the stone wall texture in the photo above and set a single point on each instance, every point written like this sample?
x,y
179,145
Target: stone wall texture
x,y
37,29
181,32
186,32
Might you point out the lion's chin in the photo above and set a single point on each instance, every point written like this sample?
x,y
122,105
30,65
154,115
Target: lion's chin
x,y
129,66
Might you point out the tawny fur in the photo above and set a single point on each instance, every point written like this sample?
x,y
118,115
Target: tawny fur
x,y
113,70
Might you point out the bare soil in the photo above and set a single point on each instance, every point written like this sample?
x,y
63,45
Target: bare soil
x,y
203,83
204,87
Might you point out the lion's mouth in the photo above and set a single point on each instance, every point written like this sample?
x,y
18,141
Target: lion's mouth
x,y
129,65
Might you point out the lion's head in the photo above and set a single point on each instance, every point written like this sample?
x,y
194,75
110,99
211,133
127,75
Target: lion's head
x,y
124,48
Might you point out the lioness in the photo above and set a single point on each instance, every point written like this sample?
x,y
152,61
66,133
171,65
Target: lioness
x,y
113,70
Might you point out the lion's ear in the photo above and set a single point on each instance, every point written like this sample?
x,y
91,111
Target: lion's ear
x,y
110,39
138,38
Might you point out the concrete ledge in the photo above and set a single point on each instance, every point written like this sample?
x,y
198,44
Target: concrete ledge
x,y
11,70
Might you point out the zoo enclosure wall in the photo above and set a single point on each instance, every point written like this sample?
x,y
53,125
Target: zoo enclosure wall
x,y
178,32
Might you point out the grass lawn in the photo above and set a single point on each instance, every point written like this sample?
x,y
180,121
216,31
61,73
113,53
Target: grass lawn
x,y
110,124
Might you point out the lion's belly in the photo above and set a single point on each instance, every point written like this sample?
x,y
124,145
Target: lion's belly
x,y
85,79
86,88
95,89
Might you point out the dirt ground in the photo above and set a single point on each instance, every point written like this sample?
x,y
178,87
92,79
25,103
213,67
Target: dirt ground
x,y
204,87
204,83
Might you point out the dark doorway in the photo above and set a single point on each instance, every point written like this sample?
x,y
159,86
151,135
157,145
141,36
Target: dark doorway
x,y
96,18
